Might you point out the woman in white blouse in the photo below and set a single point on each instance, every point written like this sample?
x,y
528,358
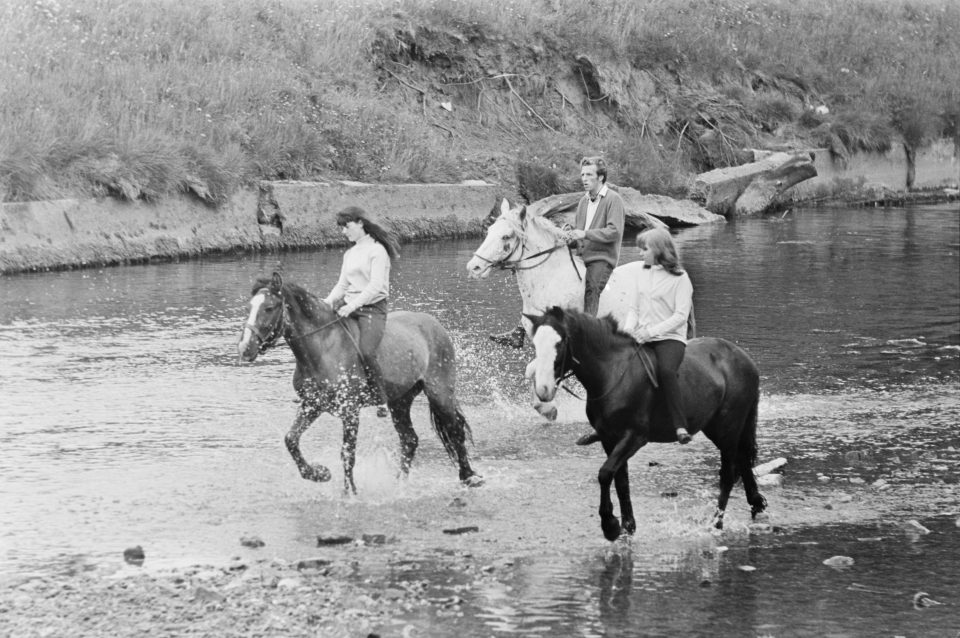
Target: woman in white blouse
x,y
363,288
658,316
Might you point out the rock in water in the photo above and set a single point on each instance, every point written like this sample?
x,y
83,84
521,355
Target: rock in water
x,y
838,562
134,555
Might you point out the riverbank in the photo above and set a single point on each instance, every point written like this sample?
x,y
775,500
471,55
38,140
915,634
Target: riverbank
x,y
291,215
75,233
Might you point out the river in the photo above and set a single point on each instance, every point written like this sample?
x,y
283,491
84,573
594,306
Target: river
x,y
127,420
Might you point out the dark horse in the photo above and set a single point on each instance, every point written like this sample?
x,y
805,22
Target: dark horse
x,y
720,386
416,354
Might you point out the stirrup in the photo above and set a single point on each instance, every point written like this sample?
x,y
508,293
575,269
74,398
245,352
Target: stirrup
x,y
512,339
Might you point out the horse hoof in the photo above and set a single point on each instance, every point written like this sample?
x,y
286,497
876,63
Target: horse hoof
x,y
718,524
317,474
474,480
611,529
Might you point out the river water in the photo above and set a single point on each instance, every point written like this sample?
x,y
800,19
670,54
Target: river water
x,y
127,420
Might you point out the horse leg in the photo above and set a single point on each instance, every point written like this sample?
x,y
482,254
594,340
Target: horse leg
x,y
451,426
305,416
348,451
728,475
617,456
400,411
621,481
746,457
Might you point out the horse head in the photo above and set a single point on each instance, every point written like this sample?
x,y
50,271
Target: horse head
x,y
265,323
551,339
503,242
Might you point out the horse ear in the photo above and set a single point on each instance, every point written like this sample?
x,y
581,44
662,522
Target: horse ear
x,y
504,206
555,311
276,283
536,320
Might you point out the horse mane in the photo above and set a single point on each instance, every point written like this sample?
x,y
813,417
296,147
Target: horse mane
x,y
307,302
596,334
539,221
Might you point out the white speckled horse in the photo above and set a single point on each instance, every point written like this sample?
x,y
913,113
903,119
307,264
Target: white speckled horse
x,y
548,273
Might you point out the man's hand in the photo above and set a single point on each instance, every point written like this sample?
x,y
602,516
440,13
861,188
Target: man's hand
x,y
641,335
577,234
345,310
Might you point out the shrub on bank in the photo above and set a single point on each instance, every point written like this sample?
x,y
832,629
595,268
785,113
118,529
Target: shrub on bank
x,y
142,99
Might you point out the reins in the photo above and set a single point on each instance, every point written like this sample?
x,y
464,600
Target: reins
x,y
641,354
277,330
507,264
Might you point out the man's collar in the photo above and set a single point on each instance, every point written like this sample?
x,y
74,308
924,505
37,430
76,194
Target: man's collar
x,y
600,193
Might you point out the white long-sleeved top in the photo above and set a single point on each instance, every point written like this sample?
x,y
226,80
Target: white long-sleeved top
x,y
364,275
661,304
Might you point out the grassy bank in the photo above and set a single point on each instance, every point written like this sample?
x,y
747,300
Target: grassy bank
x,y
140,99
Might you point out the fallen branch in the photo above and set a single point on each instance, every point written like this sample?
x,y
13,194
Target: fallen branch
x,y
537,115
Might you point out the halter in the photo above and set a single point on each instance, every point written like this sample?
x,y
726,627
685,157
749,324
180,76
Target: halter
x,y
507,264
641,354
281,323
278,327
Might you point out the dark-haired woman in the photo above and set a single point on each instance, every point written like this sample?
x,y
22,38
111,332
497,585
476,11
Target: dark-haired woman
x,y
362,290
658,316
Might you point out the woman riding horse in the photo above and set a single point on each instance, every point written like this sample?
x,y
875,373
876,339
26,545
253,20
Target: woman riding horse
x,y
363,287
718,381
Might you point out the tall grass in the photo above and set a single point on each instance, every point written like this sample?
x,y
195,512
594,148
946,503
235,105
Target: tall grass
x,y
145,98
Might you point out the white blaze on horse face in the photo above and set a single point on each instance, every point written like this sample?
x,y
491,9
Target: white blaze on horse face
x,y
497,245
546,341
255,304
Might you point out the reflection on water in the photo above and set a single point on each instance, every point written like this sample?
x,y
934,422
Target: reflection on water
x,y
767,585
127,420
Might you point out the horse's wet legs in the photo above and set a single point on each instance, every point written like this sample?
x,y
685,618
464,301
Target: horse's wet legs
x,y
305,417
728,476
621,481
348,451
756,500
617,456
400,411
451,426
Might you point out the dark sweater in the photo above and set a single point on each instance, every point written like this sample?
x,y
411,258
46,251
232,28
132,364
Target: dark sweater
x,y
602,242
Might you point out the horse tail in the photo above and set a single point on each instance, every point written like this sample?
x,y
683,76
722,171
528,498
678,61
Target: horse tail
x,y
452,429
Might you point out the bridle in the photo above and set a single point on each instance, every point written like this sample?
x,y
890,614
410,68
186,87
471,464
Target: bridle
x,y
641,354
282,324
514,264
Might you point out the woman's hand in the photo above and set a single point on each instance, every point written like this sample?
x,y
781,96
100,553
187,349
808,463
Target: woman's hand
x,y
345,310
641,335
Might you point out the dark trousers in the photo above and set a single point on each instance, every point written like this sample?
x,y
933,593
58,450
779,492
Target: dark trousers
x,y
372,322
598,274
669,356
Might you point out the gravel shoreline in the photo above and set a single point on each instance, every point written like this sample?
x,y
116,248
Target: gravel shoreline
x,y
268,598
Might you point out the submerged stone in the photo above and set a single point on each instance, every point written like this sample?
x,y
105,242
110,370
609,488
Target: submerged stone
x,y
838,562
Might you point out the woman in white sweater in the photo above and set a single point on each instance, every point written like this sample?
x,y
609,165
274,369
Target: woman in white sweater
x,y
658,316
362,290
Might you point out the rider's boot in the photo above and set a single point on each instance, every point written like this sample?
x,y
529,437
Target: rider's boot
x,y
511,339
375,383
683,437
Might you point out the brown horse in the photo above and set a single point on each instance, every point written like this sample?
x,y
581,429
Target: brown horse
x,y
719,383
416,355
